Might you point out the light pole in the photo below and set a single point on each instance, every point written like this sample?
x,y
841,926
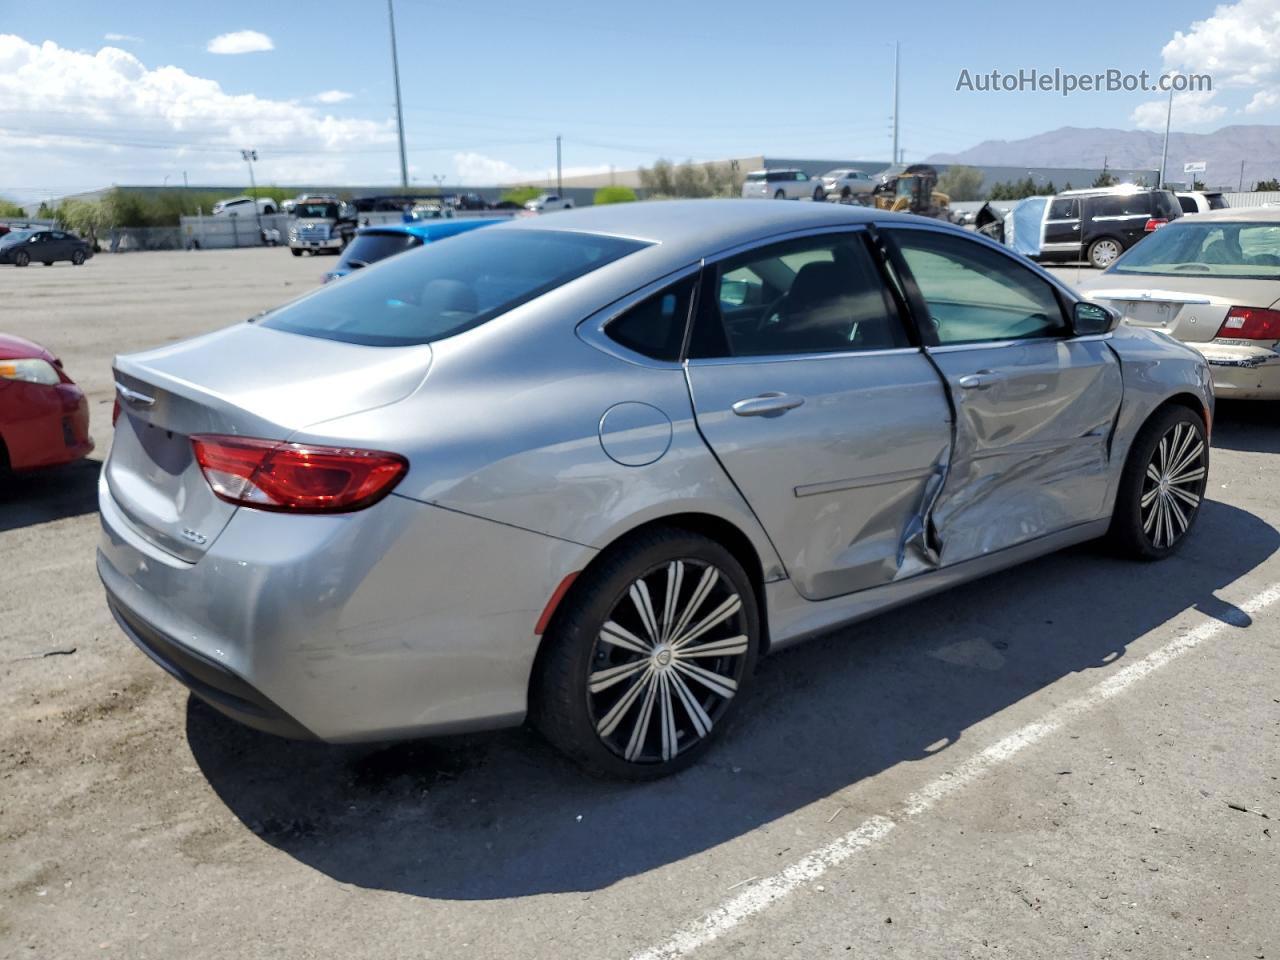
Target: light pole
x,y
249,157
395,70
1164,155
559,179
897,50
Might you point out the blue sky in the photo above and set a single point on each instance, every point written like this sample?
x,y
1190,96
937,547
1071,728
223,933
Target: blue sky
x,y
487,86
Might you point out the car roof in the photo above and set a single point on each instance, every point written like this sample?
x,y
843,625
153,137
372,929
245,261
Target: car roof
x,y
1239,214
432,229
696,228
1123,190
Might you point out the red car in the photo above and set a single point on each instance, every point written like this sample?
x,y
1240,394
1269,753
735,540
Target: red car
x,y
44,416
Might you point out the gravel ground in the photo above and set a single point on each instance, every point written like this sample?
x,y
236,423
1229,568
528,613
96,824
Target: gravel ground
x,y
1076,758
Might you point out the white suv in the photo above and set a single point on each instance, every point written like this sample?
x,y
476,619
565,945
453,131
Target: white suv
x,y
782,185
847,185
548,202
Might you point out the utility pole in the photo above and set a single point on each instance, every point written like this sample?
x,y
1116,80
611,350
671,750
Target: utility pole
x,y
1240,185
897,50
395,70
184,180
249,157
559,178
1164,156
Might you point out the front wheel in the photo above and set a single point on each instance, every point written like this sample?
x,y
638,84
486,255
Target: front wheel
x,y
295,251
779,195
819,194
21,258
1104,252
77,258
649,656
1162,485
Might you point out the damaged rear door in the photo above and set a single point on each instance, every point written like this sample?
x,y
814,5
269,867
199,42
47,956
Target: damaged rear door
x,y
831,422
1034,405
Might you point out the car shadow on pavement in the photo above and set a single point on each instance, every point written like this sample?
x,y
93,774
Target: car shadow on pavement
x,y
1250,426
45,495
501,815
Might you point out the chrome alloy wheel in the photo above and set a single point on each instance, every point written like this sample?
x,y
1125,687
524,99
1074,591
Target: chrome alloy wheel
x,y
667,661
1105,253
1173,485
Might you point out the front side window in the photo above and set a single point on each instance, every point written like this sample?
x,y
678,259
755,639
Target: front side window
x,y
814,295
975,294
655,326
442,289
1064,208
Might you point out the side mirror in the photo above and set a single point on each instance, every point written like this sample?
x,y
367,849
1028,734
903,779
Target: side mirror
x,y
1090,319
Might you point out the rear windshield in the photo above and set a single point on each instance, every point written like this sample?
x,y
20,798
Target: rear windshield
x,y
755,177
1189,249
442,289
1216,201
16,237
369,248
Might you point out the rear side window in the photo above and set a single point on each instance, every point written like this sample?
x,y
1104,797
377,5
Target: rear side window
x,y
1122,205
442,289
655,326
815,295
1188,204
975,294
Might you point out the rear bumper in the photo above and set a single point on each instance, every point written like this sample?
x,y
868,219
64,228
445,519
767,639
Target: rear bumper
x,y
333,243
400,620
1242,372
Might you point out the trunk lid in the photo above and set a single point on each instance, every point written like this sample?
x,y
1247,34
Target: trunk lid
x,y
244,381
1191,309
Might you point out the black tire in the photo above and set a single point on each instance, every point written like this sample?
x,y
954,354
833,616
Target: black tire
x,y
295,251
565,709
845,194
47,263
819,194
1104,251
77,258
1133,533
21,258
779,195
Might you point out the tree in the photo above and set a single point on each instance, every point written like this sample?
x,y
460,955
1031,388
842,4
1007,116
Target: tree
x,y
11,211
1266,186
82,216
521,195
660,181
45,212
961,183
1105,179
614,195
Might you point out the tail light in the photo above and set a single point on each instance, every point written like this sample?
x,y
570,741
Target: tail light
x,y
1251,323
1155,223
295,477
115,412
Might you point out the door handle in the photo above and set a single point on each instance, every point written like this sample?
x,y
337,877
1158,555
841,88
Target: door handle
x,y
766,404
978,381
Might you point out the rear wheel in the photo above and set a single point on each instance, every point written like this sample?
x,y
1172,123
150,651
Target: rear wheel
x,y
21,258
1103,252
819,193
779,195
649,656
1162,486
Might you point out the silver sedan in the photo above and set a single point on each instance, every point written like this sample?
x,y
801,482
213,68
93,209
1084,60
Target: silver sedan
x,y
587,469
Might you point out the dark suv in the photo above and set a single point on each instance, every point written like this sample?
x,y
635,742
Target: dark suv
x,y
1098,225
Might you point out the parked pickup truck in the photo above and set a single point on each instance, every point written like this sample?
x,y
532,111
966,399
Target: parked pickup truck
x,y
321,223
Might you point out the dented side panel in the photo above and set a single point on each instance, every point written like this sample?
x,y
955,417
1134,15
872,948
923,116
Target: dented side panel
x,y
1032,427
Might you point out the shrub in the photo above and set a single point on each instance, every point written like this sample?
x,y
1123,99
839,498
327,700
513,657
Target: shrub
x,y
615,195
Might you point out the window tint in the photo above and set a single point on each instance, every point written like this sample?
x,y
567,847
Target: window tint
x,y
1121,205
814,295
1165,204
1216,201
369,248
756,177
975,294
1064,208
655,326
1188,204
442,289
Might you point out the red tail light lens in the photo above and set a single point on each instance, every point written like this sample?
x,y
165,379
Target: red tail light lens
x,y
295,477
1155,223
115,412
1251,323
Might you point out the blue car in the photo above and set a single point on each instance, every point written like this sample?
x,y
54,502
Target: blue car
x,y
372,244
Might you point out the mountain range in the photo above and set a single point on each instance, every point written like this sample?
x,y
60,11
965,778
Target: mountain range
x,y
1258,145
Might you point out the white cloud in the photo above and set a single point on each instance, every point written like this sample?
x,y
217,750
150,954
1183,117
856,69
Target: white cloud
x,y
332,96
1236,46
241,41
1189,110
477,168
121,38
87,119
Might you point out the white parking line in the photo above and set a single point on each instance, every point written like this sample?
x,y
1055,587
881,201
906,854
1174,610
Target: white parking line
x,y
770,890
